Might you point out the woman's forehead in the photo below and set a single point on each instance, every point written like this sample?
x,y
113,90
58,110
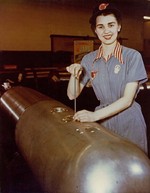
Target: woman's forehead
x,y
104,19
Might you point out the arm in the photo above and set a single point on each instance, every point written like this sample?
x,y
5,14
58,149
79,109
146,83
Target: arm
x,y
74,83
116,107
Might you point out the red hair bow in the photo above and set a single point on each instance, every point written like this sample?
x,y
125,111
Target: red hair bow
x,y
103,6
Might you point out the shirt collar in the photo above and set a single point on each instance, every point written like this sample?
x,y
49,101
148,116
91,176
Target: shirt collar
x,y
117,53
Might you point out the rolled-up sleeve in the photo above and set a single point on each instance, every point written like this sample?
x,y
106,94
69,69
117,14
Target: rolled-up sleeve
x,y
136,70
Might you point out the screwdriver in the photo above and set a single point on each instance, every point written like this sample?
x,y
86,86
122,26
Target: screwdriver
x,y
75,82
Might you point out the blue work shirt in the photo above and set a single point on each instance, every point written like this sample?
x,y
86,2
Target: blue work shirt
x,y
109,79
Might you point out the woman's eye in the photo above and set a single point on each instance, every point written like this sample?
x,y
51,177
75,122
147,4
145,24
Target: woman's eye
x,y
111,25
100,27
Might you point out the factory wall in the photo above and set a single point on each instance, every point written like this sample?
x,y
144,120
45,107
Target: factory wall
x,y
28,26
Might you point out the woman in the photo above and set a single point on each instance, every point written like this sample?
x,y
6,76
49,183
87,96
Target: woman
x,y
115,72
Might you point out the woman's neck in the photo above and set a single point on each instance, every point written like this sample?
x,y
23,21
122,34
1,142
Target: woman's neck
x,y
108,49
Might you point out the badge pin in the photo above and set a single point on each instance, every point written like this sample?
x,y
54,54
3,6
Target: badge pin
x,y
93,74
117,69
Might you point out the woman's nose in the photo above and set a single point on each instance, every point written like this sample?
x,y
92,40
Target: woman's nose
x,y
106,30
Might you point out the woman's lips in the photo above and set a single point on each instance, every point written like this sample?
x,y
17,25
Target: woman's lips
x,y
107,37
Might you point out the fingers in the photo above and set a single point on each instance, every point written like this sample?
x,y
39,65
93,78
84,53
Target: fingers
x,y
80,116
75,70
67,68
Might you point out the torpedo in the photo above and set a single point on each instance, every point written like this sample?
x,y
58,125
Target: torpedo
x,y
67,156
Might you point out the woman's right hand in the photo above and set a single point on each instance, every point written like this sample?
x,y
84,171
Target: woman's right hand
x,y
75,70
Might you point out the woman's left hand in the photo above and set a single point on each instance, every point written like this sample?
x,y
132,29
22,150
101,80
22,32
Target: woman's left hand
x,y
85,116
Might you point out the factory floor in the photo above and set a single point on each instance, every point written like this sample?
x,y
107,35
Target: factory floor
x,y
15,175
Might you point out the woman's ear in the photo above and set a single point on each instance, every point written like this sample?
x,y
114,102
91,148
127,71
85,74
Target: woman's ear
x,y
95,31
119,28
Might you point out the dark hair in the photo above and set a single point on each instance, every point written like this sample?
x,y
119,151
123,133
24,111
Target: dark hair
x,y
104,9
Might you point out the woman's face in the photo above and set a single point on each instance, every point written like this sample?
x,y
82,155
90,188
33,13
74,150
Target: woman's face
x,y
107,29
